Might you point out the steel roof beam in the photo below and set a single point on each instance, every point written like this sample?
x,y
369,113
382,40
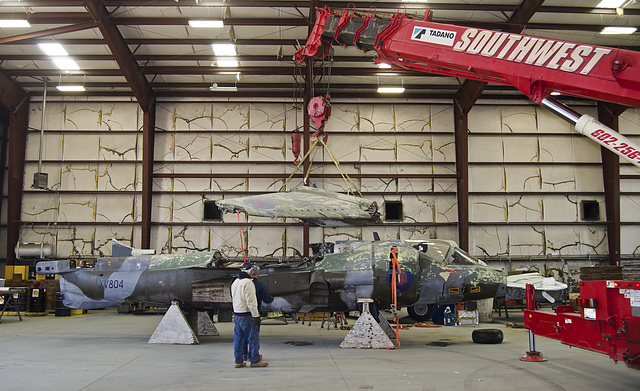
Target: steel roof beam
x,y
122,54
207,70
171,41
48,32
81,17
386,5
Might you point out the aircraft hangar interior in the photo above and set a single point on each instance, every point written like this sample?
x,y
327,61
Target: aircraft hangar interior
x,y
437,194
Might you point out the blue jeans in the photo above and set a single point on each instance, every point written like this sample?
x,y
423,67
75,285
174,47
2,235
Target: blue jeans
x,y
256,343
245,332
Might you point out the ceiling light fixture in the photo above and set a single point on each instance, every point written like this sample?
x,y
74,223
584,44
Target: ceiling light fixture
x,y
391,90
52,49
10,23
216,87
610,3
384,65
618,30
70,88
224,49
65,63
206,23
227,63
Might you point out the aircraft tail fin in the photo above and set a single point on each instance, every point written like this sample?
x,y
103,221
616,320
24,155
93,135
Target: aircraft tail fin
x,y
120,250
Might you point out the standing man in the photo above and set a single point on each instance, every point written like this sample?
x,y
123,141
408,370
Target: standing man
x,y
246,314
262,295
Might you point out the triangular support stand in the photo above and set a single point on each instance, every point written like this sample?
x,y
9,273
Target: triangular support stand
x,y
366,333
205,325
174,328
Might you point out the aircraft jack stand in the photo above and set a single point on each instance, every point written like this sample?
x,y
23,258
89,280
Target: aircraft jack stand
x,y
532,355
366,333
174,328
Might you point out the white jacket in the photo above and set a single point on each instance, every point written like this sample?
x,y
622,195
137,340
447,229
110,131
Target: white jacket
x,y
243,293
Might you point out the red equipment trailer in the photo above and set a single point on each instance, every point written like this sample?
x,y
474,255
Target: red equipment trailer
x,y
608,322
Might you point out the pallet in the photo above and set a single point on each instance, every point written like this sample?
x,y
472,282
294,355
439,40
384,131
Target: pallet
x,y
15,313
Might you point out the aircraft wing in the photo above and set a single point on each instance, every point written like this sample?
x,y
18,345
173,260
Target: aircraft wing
x,y
316,206
520,281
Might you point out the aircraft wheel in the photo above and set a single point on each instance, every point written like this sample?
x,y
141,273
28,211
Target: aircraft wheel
x,y
421,312
487,336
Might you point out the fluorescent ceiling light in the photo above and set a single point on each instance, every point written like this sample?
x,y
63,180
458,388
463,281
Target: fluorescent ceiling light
x,y
391,90
618,30
215,87
206,23
14,23
384,65
65,63
227,63
70,88
610,3
53,49
224,49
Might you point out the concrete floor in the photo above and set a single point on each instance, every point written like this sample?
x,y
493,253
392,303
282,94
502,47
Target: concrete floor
x,y
104,350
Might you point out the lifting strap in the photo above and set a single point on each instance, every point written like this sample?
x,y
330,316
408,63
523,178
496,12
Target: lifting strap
x,y
241,241
319,140
395,271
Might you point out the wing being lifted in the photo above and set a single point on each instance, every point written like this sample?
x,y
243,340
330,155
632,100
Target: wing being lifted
x,y
309,204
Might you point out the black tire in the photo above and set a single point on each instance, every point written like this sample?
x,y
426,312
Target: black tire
x,y
421,312
487,336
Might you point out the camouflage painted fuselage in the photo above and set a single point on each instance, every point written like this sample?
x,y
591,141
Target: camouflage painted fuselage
x,y
358,270
363,270
309,204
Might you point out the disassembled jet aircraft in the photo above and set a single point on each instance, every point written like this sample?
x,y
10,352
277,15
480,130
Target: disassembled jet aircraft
x,y
309,204
432,273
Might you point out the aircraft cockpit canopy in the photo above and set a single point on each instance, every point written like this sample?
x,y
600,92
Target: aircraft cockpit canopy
x,y
446,252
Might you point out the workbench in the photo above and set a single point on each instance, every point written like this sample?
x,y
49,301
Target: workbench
x,y
9,301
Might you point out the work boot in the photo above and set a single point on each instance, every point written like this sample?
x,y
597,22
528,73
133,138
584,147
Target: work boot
x,y
259,364
242,364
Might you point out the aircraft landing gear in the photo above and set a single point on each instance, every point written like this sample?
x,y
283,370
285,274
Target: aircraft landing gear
x,y
421,312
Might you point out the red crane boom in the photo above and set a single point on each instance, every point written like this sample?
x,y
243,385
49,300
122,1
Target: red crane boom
x,y
535,66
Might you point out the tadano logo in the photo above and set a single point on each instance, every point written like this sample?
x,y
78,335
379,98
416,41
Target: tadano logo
x,y
440,37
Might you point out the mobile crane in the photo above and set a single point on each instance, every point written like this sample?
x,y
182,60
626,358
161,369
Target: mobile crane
x,y
609,319
535,66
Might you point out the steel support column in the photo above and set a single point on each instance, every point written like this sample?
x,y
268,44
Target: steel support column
x,y
18,125
464,100
148,143
608,114
4,128
462,167
306,131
